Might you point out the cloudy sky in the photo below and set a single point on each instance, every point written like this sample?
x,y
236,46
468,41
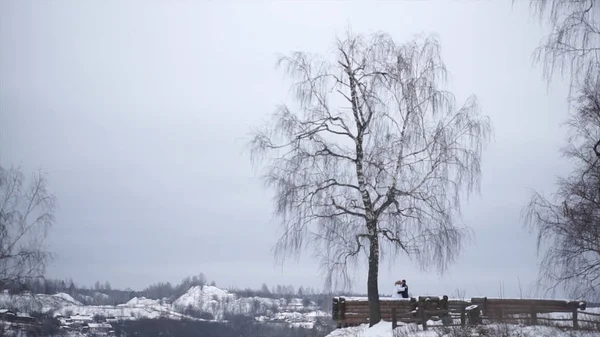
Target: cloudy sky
x,y
138,112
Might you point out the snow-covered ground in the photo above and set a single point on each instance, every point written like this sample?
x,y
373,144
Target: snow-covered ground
x,y
384,329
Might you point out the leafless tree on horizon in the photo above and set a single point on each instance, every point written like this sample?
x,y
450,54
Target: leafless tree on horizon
x,y
26,214
373,160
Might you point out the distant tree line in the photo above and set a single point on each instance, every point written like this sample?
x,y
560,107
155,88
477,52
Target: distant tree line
x,y
279,291
102,293
40,286
167,290
307,294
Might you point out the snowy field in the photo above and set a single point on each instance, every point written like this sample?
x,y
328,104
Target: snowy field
x,y
384,329
558,329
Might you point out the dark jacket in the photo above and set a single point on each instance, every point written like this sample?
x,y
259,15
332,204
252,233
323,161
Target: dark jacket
x,y
404,293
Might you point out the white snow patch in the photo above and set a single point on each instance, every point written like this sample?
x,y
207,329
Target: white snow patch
x,y
68,298
141,302
384,329
318,313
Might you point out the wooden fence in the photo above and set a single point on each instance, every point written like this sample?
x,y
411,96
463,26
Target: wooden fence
x,y
476,311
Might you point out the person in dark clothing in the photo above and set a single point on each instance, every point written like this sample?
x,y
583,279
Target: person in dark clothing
x,y
404,291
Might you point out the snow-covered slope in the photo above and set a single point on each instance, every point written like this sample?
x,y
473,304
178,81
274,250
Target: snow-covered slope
x,y
36,302
207,299
134,309
219,302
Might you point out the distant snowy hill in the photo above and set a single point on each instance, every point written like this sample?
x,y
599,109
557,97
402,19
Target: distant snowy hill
x,y
210,300
219,302
36,302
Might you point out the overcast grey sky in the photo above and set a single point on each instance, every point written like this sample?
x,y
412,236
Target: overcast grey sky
x,y
137,110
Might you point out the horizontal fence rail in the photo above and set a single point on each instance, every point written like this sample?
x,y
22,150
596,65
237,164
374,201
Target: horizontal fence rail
x,y
423,310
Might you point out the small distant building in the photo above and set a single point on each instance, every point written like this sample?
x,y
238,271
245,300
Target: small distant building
x,y
81,318
65,321
24,318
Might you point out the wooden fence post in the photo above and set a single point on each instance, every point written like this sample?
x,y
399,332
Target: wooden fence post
x,y
394,321
485,306
342,310
463,315
575,322
422,315
334,309
533,316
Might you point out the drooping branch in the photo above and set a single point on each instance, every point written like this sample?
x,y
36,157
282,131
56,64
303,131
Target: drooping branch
x,y
573,46
26,213
568,222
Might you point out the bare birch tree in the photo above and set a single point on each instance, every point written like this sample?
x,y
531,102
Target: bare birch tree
x,y
373,159
572,49
26,213
567,223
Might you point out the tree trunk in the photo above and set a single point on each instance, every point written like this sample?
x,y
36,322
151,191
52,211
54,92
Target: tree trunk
x,y
372,280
